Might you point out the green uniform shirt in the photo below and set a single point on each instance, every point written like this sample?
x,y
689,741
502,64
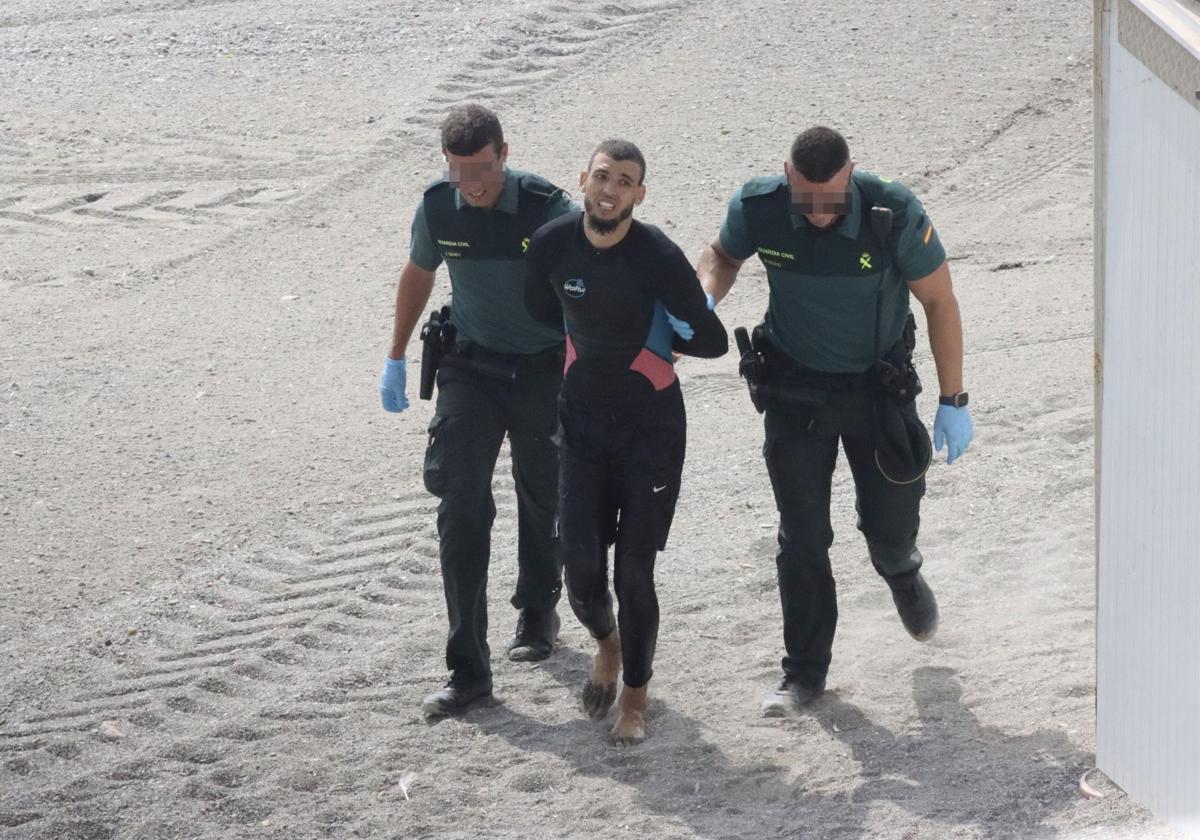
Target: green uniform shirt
x,y
484,252
824,284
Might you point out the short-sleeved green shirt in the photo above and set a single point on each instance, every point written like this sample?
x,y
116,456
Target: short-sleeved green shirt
x,y
825,283
484,252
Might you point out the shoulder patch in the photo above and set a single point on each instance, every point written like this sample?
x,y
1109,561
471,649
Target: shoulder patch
x,y
762,186
436,186
537,185
885,192
880,192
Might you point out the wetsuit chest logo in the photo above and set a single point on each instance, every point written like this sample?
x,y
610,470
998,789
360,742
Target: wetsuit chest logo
x,y
574,288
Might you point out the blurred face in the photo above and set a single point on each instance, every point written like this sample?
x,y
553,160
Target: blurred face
x,y
478,176
610,192
822,203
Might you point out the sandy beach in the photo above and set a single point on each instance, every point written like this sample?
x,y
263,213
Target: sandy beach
x,y
220,603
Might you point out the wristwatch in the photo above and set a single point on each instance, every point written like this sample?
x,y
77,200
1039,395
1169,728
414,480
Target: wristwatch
x,y
958,400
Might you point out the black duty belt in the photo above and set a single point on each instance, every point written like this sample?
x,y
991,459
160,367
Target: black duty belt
x,y
442,348
492,363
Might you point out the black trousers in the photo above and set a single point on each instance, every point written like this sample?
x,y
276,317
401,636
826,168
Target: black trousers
x,y
473,414
801,452
619,474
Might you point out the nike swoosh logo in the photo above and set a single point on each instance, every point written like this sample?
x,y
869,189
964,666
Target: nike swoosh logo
x,y
659,489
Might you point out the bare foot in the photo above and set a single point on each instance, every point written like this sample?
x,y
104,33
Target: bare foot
x,y
630,727
600,691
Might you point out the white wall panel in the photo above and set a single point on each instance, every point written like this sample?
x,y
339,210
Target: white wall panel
x,y
1148,620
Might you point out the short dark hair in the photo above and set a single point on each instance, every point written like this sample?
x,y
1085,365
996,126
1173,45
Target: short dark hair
x,y
819,153
620,150
468,128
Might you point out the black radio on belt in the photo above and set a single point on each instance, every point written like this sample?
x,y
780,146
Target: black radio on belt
x,y
898,381
895,374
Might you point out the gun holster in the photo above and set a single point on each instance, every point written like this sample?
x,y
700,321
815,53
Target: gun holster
x,y
438,336
752,366
769,375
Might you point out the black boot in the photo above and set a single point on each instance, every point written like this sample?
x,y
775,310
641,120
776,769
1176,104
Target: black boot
x,y
535,637
458,694
915,602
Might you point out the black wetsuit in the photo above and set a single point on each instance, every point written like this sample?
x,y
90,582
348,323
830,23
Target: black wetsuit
x,y
621,422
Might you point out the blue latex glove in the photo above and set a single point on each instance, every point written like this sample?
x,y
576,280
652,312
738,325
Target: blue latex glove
x,y
682,328
952,428
391,385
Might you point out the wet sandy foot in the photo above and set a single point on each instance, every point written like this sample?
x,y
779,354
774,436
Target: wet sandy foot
x,y
600,691
630,727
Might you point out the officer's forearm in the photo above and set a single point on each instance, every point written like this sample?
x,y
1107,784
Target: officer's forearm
x,y
717,272
946,342
412,294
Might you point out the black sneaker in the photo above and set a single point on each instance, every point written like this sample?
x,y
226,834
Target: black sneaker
x,y
535,637
791,697
456,696
917,607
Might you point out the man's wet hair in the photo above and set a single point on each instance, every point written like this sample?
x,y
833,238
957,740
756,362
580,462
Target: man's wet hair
x,y
620,150
819,153
468,128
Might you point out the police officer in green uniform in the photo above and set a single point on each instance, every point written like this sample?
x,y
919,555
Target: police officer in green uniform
x,y
478,221
839,302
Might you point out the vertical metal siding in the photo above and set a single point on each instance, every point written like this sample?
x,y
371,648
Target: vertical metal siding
x,y
1148,624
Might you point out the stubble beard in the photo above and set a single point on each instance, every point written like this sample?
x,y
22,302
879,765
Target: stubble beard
x,y
604,226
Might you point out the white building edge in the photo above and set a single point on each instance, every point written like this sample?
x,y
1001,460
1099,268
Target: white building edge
x,y
1148,403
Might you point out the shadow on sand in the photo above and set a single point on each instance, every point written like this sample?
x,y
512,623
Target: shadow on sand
x,y
953,775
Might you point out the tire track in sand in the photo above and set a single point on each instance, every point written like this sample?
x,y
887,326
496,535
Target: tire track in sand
x,y
538,48
232,647
266,644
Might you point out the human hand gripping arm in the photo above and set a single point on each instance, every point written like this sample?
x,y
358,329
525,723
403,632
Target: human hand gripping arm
x,y
952,427
682,328
699,332
718,268
722,259
718,271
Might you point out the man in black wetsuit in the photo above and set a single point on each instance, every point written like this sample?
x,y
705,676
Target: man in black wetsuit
x,y
629,297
